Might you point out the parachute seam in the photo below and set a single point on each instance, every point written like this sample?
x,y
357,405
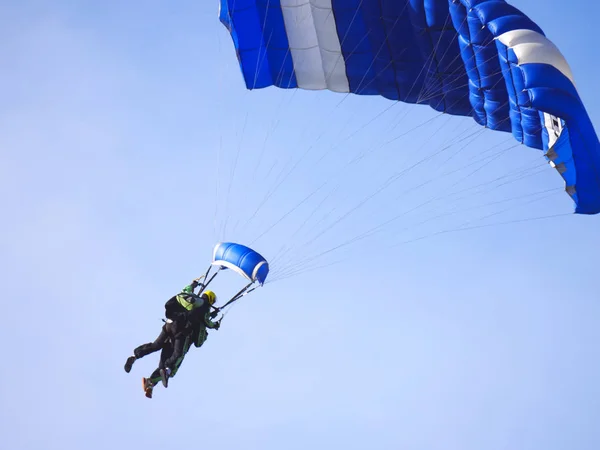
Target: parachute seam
x,y
389,47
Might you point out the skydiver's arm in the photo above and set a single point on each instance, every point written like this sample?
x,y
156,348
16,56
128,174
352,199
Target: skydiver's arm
x,y
189,289
209,323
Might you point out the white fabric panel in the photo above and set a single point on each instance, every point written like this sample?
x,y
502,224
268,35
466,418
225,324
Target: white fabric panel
x,y
258,266
334,65
532,47
314,45
232,267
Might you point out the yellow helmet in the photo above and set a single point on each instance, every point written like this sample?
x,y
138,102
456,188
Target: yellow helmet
x,y
211,296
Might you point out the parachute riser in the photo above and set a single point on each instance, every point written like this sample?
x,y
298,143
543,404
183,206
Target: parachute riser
x,y
204,285
239,295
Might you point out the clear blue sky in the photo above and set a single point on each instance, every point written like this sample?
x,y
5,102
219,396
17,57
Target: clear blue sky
x,y
120,127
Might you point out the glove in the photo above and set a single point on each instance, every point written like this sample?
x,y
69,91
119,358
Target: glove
x,y
194,284
214,314
218,325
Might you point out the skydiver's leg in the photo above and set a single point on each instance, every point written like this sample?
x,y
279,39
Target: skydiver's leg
x,y
149,383
146,349
165,354
186,348
171,364
151,347
155,377
179,344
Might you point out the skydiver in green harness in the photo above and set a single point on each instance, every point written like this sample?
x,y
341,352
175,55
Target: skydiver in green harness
x,y
188,316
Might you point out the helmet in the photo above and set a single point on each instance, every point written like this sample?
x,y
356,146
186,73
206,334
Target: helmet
x,y
210,296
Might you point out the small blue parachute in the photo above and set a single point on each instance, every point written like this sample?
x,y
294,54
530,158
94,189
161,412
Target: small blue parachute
x,y
479,58
241,259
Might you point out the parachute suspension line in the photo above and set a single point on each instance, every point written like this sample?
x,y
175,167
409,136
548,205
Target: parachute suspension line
x,y
284,274
393,219
391,180
279,114
291,272
274,189
385,185
271,169
204,285
448,213
274,125
470,139
485,161
488,159
285,172
232,174
304,267
285,247
474,227
460,180
433,57
355,132
288,254
258,67
343,41
271,131
385,44
522,174
218,234
467,176
285,177
388,182
287,272
289,212
217,223
397,175
359,130
262,58
430,91
459,87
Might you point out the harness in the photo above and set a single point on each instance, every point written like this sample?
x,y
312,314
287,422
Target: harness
x,y
184,300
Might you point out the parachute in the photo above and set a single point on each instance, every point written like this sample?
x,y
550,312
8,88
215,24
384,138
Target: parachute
x,y
241,259
483,59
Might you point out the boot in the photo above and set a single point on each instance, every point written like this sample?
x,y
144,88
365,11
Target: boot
x,y
129,363
147,386
164,375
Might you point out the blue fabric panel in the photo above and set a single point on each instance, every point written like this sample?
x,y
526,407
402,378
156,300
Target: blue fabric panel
x,y
260,40
242,257
442,53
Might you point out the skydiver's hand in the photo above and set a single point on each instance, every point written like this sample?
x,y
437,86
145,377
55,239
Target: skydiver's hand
x,y
214,314
218,325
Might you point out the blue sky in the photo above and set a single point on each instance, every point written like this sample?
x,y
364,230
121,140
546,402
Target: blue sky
x,y
130,147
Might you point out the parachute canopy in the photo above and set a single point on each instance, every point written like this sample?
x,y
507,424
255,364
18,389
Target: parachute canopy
x,y
478,58
242,260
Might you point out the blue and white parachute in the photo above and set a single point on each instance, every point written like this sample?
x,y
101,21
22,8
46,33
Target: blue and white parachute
x,y
478,58
241,259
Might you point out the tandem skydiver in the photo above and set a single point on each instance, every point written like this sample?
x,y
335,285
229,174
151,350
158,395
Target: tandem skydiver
x,y
188,316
